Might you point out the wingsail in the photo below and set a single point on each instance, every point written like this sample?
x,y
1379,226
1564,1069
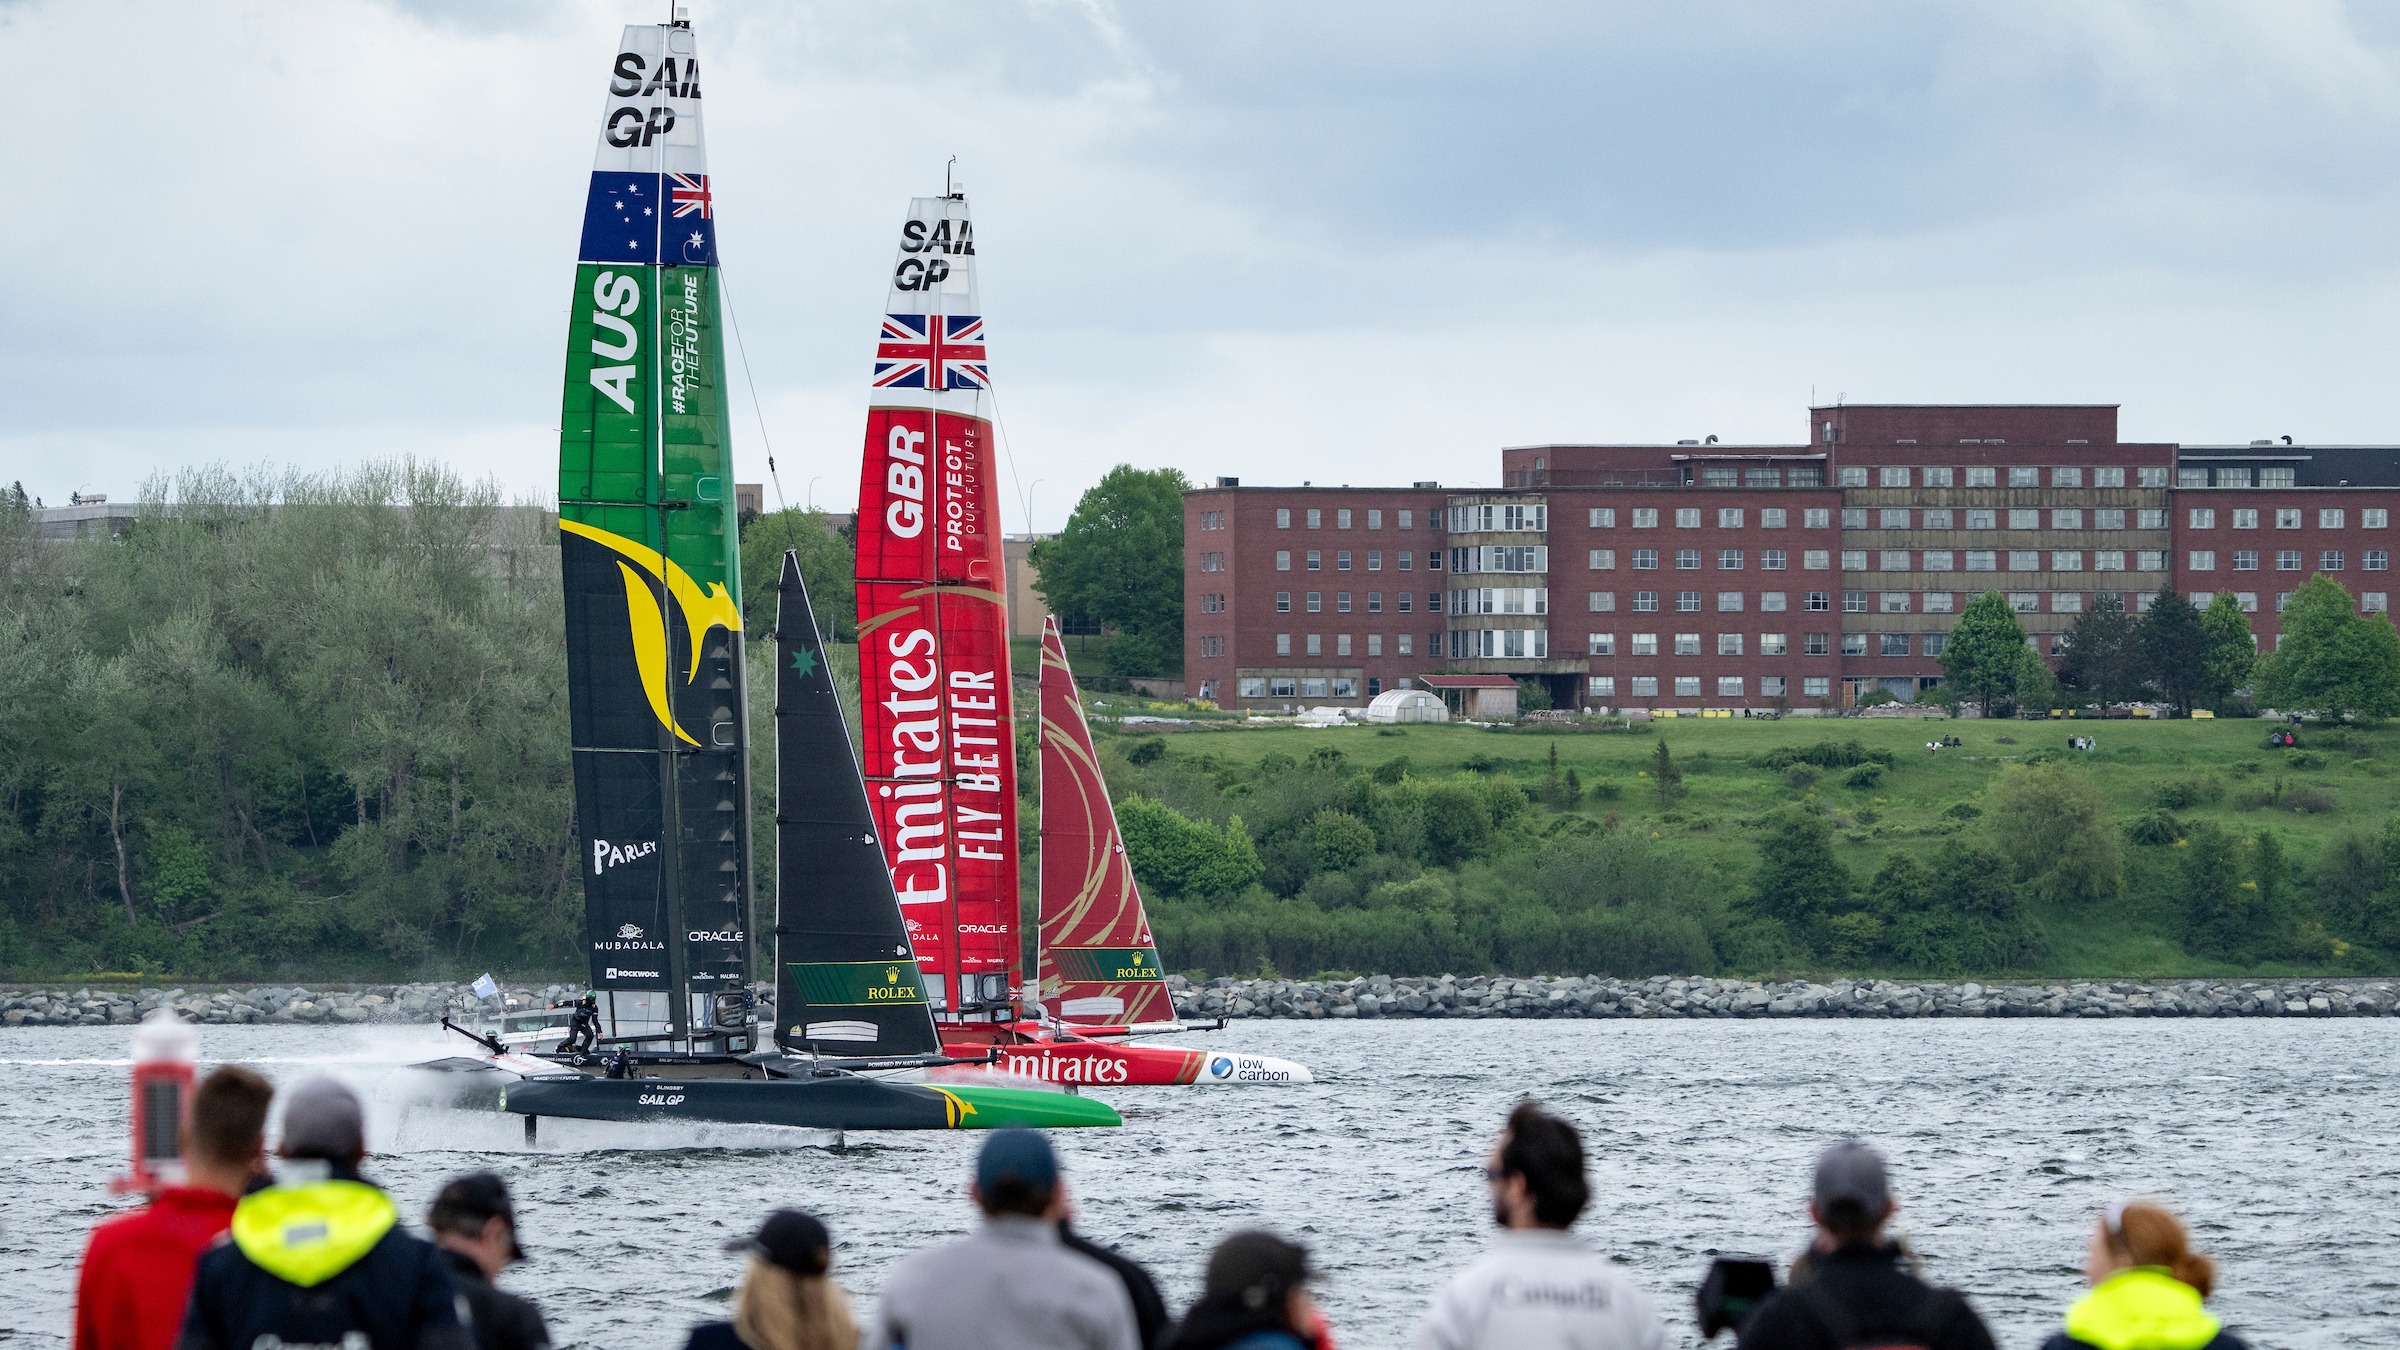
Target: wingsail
x,y
1099,963
650,557
936,726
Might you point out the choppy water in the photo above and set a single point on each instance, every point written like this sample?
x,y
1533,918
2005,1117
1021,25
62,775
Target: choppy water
x,y
2279,1140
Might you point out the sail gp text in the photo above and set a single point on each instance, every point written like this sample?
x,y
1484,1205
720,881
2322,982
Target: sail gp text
x,y
957,732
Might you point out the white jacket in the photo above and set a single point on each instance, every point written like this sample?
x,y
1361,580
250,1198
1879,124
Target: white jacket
x,y
1541,1289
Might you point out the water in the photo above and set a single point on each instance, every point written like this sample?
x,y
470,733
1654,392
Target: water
x,y
2277,1140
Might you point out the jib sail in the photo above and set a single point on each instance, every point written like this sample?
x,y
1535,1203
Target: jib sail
x,y
1099,963
846,981
651,567
932,624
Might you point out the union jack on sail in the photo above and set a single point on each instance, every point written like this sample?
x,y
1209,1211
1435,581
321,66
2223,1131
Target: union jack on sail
x,y
931,351
689,192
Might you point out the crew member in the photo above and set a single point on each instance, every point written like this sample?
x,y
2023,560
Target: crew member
x,y
620,1063
475,1225
584,1031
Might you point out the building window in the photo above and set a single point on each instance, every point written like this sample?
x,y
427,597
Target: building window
x,y
1603,644
2066,476
1934,642
2066,602
1816,559
1601,686
1645,560
2329,560
2109,477
1854,644
1893,475
1212,645
2066,520
2150,518
1374,560
1687,602
1687,686
2283,601
1892,518
1816,686
1772,559
2275,478
1818,601
1851,475
1687,560
1604,518
1604,559
1982,520
1374,520
1891,644
2245,560
2151,475
1374,602
1407,640
2376,560
1980,475
2202,599
1937,602
1645,686
1892,560
1404,597
1406,524
1316,601
1283,560
1854,560
1645,602
1341,519
1729,602
2112,519
2287,518
1604,602
1253,686
1771,518
1937,475
2142,602
1894,602
2108,560
1341,644
2150,560
1729,517
1405,557
2245,518
2025,602
1729,686
2066,560
2203,518
1854,517
2023,475
1773,644
1854,602
1283,644
2024,560
2287,560
2371,602
1939,560
1316,519
1983,560
1645,517
1816,517
1687,517
1761,475
2329,518
1316,560
2205,560
1687,644
1729,644
1316,644
2247,600
1283,602
1938,519
1770,602
1341,560
1283,518
1729,560
1816,644
2024,520
2374,518
1645,644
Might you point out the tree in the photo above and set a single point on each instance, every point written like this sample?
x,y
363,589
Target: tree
x,y
826,565
2332,660
2231,653
2173,648
1665,778
2054,828
1177,855
1799,881
2102,658
1119,563
1986,653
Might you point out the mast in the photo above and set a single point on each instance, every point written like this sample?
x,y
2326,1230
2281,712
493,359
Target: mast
x,y
936,726
1099,962
846,982
651,565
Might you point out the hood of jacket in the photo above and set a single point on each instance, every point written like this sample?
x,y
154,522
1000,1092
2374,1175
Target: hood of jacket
x,y
2144,1308
310,1233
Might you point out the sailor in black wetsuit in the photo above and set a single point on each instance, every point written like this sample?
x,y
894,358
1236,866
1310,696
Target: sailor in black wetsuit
x,y
620,1064
584,1031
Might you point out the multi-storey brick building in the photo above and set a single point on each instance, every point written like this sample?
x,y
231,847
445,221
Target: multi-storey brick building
x,y
1700,575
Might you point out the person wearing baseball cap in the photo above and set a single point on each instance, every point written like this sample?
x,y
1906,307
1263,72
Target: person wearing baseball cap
x,y
475,1224
321,1259
788,1299
1012,1284
1857,1290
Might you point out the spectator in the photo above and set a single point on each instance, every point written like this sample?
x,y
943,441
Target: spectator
x,y
320,1259
1011,1285
1149,1309
1254,1297
1539,1285
137,1271
2147,1285
1857,1292
475,1225
787,1301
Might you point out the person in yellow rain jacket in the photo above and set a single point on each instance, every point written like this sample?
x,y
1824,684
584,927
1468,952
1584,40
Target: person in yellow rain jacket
x,y
2147,1288
319,1262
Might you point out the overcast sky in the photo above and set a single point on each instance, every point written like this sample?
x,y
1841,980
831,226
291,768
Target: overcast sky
x,y
1338,242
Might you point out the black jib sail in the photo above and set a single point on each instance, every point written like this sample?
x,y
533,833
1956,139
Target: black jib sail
x,y
846,981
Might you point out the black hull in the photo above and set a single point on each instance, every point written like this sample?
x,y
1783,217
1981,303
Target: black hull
x,y
837,1103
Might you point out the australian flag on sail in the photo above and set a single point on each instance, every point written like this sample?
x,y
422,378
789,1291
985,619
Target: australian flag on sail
x,y
931,351
662,219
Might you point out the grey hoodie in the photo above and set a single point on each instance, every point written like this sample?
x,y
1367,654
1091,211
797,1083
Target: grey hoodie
x,y
1541,1289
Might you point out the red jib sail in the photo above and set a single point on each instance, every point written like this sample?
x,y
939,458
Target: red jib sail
x,y
1099,963
933,626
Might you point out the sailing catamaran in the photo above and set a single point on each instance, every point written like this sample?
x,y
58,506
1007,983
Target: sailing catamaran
x,y
940,743
660,735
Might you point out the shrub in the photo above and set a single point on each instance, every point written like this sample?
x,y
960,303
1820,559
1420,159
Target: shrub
x,y
2153,829
1148,750
1458,822
2186,793
1800,776
2053,826
1177,855
1392,770
1963,811
1823,754
1864,776
1340,840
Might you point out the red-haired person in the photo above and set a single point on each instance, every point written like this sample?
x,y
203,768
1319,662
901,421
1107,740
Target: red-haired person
x,y
137,1271
2147,1288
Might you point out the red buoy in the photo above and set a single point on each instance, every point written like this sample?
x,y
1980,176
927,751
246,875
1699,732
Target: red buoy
x,y
164,1048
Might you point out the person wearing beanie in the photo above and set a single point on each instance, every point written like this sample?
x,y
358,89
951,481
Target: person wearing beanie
x,y
320,1258
1857,1291
1540,1285
1254,1296
787,1299
2147,1288
1012,1284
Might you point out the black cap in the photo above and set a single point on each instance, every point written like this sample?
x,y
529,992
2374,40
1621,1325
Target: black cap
x,y
792,1240
1255,1269
469,1202
1851,1172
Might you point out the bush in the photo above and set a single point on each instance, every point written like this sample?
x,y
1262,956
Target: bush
x,y
1864,776
1825,755
2184,794
1175,855
2153,829
1148,750
1800,776
1963,811
2053,826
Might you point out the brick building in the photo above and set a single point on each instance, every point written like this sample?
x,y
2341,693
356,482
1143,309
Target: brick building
x,y
1699,575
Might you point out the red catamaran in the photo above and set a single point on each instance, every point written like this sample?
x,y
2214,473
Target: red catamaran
x,y
939,728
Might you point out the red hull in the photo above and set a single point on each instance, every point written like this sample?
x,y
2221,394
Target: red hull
x,y
1062,1058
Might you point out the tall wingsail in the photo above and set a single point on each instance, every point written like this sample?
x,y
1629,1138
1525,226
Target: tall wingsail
x,y
846,982
939,744
652,575
1098,960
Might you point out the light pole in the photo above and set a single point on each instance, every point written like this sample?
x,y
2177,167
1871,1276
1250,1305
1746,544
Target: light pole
x,y
812,492
1029,487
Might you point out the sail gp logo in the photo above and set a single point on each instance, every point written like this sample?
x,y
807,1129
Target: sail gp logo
x,y
606,855
660,1099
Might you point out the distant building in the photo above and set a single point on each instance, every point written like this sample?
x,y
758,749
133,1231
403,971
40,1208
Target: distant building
x,y
1026,610
750,499
1802,576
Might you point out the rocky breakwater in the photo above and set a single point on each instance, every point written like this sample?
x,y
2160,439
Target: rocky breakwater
x,y
1592,996
274,1005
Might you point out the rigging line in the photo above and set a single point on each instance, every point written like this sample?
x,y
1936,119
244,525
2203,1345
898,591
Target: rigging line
x,y
725,284
1001,425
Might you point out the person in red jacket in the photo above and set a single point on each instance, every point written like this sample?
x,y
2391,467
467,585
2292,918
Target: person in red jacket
x,y
137,1272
